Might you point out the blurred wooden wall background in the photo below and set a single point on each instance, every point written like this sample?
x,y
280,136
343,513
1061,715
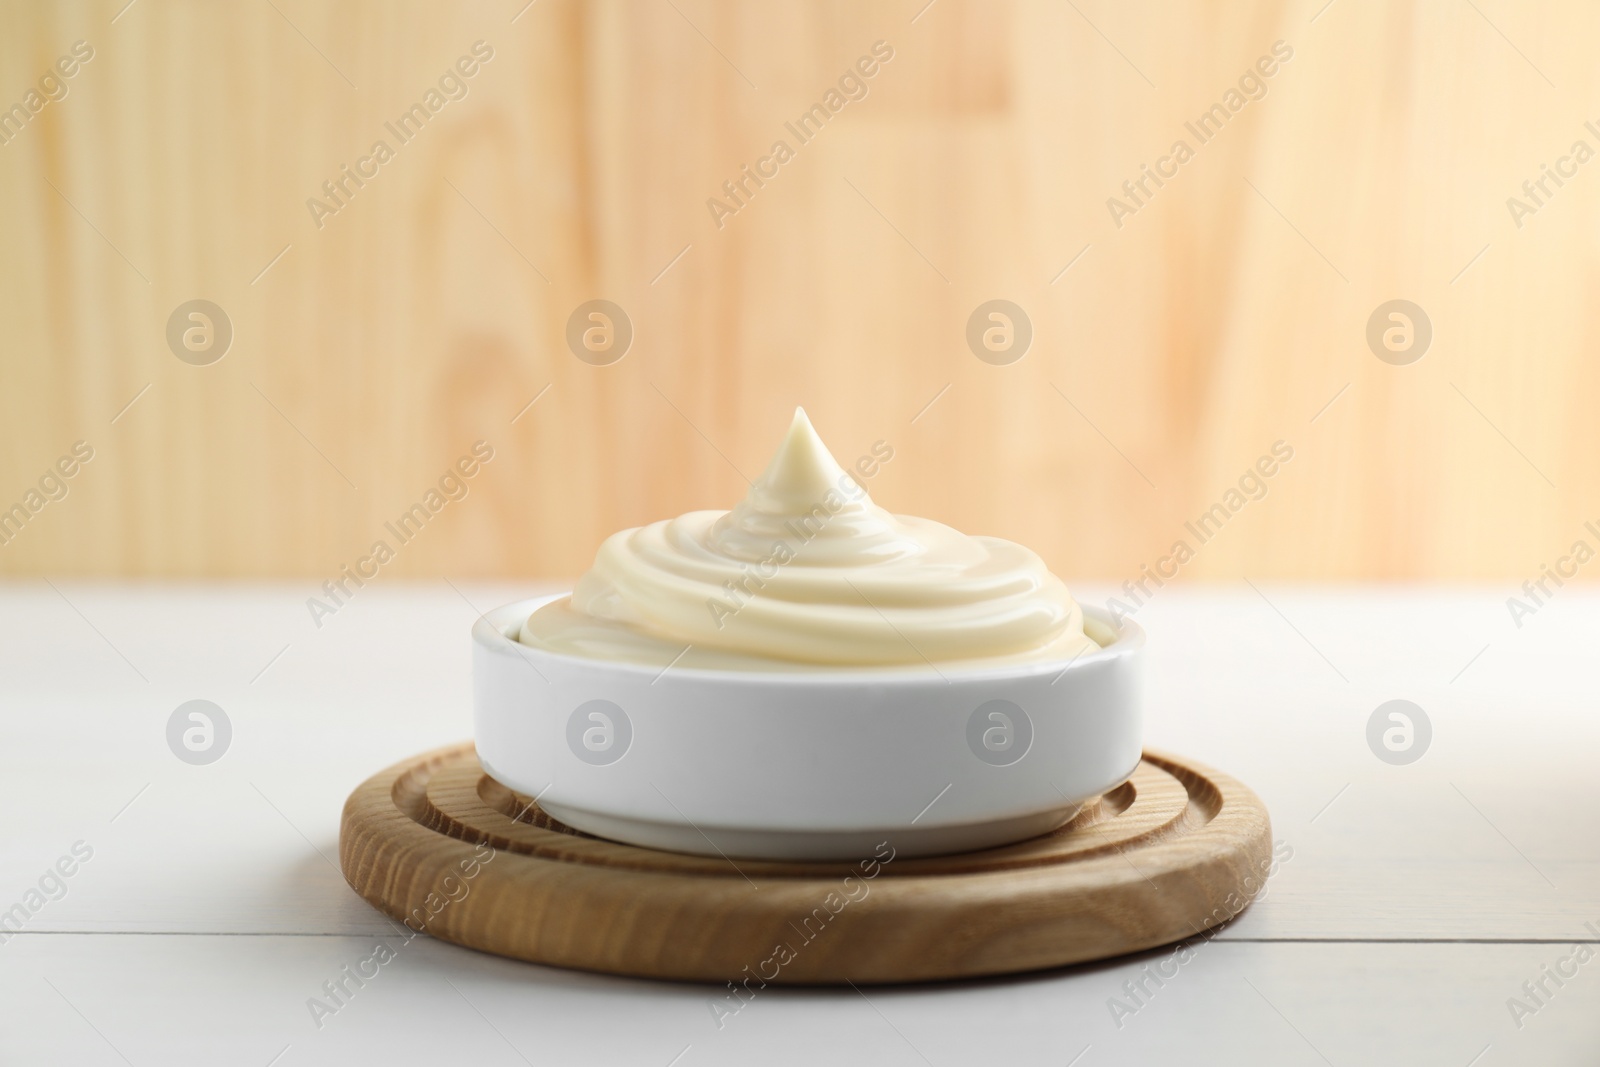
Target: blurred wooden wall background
x,y
1221,317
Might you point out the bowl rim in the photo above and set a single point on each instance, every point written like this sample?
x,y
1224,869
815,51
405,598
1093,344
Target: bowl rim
x,y
489,632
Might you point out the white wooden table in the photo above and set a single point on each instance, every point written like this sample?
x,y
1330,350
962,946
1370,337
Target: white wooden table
x,y
1418,901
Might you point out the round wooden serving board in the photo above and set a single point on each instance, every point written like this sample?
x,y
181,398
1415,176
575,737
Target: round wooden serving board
x,y
438,844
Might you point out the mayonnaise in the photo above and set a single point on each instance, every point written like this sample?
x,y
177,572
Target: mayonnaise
x,y
808,573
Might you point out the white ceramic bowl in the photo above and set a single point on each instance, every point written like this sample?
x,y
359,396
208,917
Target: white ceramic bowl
x,y
811,765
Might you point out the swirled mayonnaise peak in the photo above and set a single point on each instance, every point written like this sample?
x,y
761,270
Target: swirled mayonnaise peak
x,y
807,573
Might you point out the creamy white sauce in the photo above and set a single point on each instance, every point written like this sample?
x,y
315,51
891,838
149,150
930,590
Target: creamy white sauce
x,y
808,573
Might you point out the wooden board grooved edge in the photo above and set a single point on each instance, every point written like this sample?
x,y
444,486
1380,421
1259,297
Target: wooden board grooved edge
x,y
435,843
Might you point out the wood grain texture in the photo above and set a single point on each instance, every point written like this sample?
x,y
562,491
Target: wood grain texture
x,y
1226,314
437,844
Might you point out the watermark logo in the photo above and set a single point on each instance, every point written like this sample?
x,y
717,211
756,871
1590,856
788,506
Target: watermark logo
x,y
1537,192
199,332
999,332
1537,591
599,732
999,733
1399,332
1251,486
1536,992
753,577
599,332
52,88
52,486
51,886
1205,127
853,888
1139,991
453,486
337,992
454,83
853,86
198,732
1399,732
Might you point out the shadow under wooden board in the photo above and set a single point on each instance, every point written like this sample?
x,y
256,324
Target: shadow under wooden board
x,y
438,844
